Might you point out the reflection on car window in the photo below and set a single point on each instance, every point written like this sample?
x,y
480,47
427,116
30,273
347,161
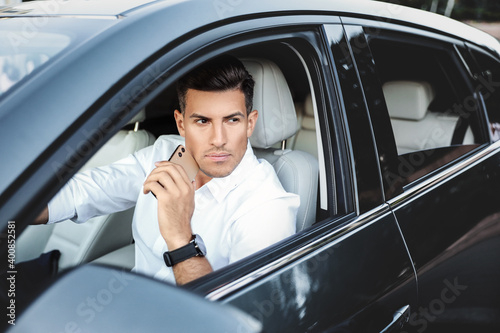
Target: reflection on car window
x,y
20,55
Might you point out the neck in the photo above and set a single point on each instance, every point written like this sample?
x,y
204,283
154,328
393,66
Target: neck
x,y
201,179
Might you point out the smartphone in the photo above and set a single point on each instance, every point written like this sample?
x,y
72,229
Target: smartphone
x,y
183,158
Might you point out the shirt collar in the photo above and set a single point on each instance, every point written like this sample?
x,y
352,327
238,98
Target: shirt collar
x,y
220,187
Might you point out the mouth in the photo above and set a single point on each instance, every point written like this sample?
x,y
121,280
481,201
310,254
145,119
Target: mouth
x,y
218,157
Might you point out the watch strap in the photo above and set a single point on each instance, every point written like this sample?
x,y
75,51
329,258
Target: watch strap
x,y
183,253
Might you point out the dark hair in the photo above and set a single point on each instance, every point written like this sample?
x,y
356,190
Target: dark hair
x,y
219,74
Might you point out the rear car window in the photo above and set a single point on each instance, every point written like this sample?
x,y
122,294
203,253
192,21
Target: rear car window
x,y
434,113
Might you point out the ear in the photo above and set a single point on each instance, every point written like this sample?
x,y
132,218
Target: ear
x,y
252,121
179,121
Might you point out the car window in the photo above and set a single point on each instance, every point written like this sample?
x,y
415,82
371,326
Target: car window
x,y
108,240
434,114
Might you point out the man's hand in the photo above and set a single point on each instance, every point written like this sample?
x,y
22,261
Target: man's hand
x,y
43,217
175,194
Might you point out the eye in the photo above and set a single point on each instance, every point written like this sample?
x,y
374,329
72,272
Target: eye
x,y
234,120
201,121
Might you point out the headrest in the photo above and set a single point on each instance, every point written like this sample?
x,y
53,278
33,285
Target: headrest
x,y
138,118
272,98
408,99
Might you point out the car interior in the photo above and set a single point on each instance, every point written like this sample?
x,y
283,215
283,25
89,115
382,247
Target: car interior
x,y
420,94
285,136
415,126
80,243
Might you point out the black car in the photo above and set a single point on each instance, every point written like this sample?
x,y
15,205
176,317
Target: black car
x,y
395,157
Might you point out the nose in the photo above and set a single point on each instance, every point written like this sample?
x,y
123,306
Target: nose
x,y
218,138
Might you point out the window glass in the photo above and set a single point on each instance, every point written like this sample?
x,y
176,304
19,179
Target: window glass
x,y
85,243
19,56
433,111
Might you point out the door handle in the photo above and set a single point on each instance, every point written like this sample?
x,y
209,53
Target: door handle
x,y
400,317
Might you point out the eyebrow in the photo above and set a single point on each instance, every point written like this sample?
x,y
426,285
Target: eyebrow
x,y
236,114
232,115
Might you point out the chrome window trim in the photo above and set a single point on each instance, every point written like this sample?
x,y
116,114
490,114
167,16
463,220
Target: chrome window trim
x,y
329,239
448,173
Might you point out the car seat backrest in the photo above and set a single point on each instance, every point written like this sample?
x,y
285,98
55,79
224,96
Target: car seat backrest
x,y
297,170
306,139
84,242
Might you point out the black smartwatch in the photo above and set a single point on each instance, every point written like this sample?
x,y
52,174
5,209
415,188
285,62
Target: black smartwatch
x,y
195,248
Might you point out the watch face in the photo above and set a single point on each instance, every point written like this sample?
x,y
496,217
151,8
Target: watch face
x,y
200,244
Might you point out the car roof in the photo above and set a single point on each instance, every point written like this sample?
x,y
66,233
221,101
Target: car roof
x,y
221,10
72,8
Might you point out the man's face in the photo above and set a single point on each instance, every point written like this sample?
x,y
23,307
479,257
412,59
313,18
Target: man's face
x,y
216,128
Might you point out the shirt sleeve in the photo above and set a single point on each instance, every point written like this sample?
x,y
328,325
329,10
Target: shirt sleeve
x,y
100,191
263,226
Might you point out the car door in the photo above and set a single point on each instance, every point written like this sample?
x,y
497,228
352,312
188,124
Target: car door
x,y
441,179
351,270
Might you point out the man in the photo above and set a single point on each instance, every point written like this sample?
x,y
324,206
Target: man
x,y
234,207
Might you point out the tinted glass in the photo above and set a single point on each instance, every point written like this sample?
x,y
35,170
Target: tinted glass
x,y
433,110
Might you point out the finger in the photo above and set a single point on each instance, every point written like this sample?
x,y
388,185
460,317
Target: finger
x,y
176,171
163,179
155,188
172,179
162,163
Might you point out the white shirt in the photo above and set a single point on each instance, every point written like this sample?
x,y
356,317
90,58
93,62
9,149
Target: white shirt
x,y
235,215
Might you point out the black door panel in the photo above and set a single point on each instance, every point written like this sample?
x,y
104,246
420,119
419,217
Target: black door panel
x,y
355,283
453,234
